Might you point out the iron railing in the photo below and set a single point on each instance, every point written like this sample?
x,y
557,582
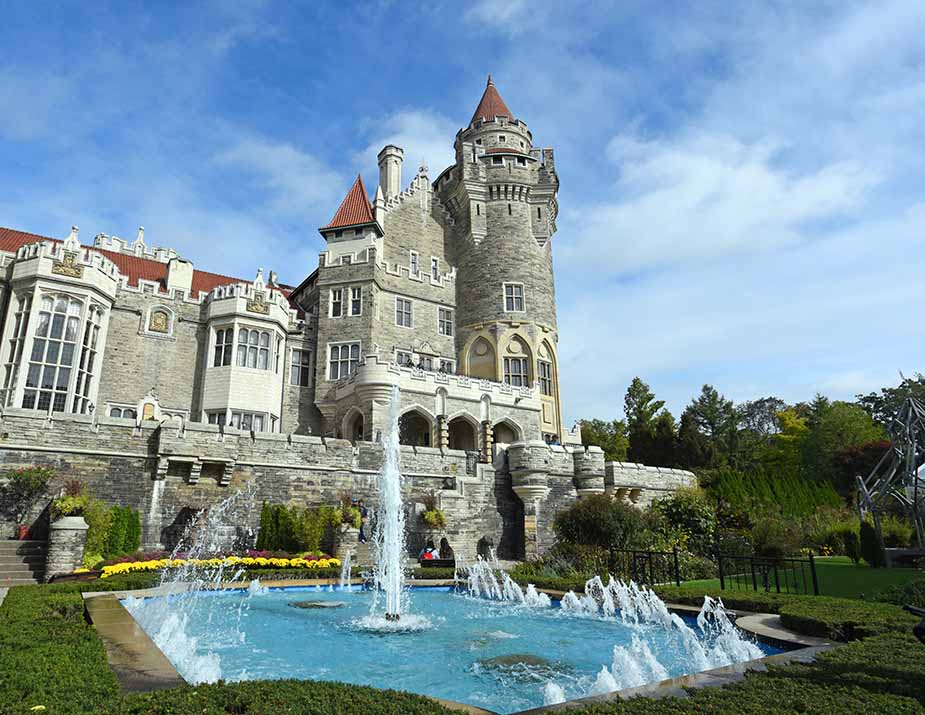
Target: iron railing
x,y
647,568
771,575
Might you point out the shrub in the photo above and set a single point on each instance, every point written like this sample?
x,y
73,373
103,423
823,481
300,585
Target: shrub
x,y
99,518
897,532
690,512
22,491
870,546
852,543
774,538
297,530
734,543
911,593
599,521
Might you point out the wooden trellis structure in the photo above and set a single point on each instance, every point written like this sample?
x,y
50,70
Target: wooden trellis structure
x,y
896,477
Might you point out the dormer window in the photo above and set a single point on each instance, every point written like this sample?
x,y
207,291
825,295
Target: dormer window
x,y
338,234
521,161
497,160
358,232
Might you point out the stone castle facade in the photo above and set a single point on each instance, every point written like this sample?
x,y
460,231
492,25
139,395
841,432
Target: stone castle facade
x,y
163,385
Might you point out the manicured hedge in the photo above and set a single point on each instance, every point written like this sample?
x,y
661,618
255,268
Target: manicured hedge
x,y
50,656
883,674
833,618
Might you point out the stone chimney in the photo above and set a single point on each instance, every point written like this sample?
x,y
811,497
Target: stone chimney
x,y
179,275
390,160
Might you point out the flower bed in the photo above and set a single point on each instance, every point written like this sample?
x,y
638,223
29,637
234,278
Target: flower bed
x,y
311,563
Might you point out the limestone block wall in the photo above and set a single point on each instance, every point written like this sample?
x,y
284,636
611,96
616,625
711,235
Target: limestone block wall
x,y
137,360
641,485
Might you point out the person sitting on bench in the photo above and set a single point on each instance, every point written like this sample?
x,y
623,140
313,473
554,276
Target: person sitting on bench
x,y
446,551
429,552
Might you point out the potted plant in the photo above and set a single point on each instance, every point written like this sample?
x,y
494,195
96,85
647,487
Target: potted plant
x,y
72,503
432,516
23,489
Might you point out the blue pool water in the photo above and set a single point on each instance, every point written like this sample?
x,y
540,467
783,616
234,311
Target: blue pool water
x,y
495,655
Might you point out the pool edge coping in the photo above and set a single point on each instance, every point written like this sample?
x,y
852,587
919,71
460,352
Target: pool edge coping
x,y
140,666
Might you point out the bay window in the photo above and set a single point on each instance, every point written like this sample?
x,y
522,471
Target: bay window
x,y
52,357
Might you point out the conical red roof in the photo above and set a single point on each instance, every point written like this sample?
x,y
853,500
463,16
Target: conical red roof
x,y
355,210
491,105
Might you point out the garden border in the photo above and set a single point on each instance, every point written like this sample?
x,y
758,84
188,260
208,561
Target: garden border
x,y
140,666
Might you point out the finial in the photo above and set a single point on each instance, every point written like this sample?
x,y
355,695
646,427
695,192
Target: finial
x,y
489,80
422,170
72,243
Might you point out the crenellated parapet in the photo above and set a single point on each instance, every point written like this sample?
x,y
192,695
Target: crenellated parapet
x,y
640,484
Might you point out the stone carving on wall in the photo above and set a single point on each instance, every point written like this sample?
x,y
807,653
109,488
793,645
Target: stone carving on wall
x,y
259,304
159,322
68,266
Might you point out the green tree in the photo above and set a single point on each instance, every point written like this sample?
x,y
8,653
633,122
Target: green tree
x,y
783,453
833,427
609,436
640,405
694,450
641,409
714,418
663,449
757,422
884,405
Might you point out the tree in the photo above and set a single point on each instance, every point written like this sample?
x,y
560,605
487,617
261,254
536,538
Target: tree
x,y
609,436
884,405
641,409
758,423
714,417
783,454
833,427
640,405
664,447
693,449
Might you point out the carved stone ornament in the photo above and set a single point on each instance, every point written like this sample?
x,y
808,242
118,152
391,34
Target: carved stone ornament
x,y
159,323
68,266
259,304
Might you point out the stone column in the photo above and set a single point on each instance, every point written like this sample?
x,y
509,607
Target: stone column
x,y
529,466
443,432
487,440
66,542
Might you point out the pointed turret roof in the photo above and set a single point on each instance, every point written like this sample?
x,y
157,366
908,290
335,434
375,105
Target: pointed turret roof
x,y
355,210
491,105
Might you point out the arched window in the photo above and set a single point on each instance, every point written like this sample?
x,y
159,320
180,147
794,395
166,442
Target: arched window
x,y
253,348
481,360
52,357
517,363
126,413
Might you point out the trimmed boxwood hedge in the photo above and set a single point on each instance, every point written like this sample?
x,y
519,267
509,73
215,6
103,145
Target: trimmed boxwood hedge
x,y
50,656
821,616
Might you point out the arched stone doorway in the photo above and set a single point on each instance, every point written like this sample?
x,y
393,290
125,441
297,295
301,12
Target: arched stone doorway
x,y
354,426
462,434
414,429
505,433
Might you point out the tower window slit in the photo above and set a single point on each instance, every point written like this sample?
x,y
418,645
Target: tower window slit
x,y
508,209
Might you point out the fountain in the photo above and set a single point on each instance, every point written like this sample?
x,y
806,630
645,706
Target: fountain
x,y
389,537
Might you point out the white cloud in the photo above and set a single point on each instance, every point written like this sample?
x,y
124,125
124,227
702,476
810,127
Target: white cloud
x,y
422,133
497,12
295,182
704,196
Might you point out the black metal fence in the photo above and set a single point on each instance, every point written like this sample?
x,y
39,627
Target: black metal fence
x,y
646,567
736,573
771,575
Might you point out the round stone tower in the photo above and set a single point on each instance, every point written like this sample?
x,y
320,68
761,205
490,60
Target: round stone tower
x,y
501,193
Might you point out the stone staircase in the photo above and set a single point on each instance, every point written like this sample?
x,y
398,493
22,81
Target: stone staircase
x,y
22,562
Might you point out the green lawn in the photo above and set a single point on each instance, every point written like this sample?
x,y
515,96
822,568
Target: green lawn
x,y
839,577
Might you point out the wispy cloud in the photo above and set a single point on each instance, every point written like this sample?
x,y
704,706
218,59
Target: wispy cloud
x,y
424,134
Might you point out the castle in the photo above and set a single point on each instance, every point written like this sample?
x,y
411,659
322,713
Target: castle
x,y
163,385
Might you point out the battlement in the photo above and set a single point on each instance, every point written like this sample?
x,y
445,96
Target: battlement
x,y
641,484
83,257
136,248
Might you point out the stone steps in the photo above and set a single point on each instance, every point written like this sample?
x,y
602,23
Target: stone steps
x,y
22,562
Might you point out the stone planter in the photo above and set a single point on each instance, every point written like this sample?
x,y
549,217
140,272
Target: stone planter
x,y
66,541
349,538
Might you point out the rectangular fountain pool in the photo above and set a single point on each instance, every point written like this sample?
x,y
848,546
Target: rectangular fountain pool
x,y
497,655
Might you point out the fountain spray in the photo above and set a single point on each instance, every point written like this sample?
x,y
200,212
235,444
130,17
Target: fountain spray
x,y
389,537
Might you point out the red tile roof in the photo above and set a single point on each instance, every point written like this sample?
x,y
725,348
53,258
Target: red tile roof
x,y
133,267
355,209
491,105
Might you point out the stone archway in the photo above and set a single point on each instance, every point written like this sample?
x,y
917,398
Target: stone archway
x,y
415,428
354,426
506,432
463,434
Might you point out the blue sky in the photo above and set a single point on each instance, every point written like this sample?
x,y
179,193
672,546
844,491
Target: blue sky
x,y
743,184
